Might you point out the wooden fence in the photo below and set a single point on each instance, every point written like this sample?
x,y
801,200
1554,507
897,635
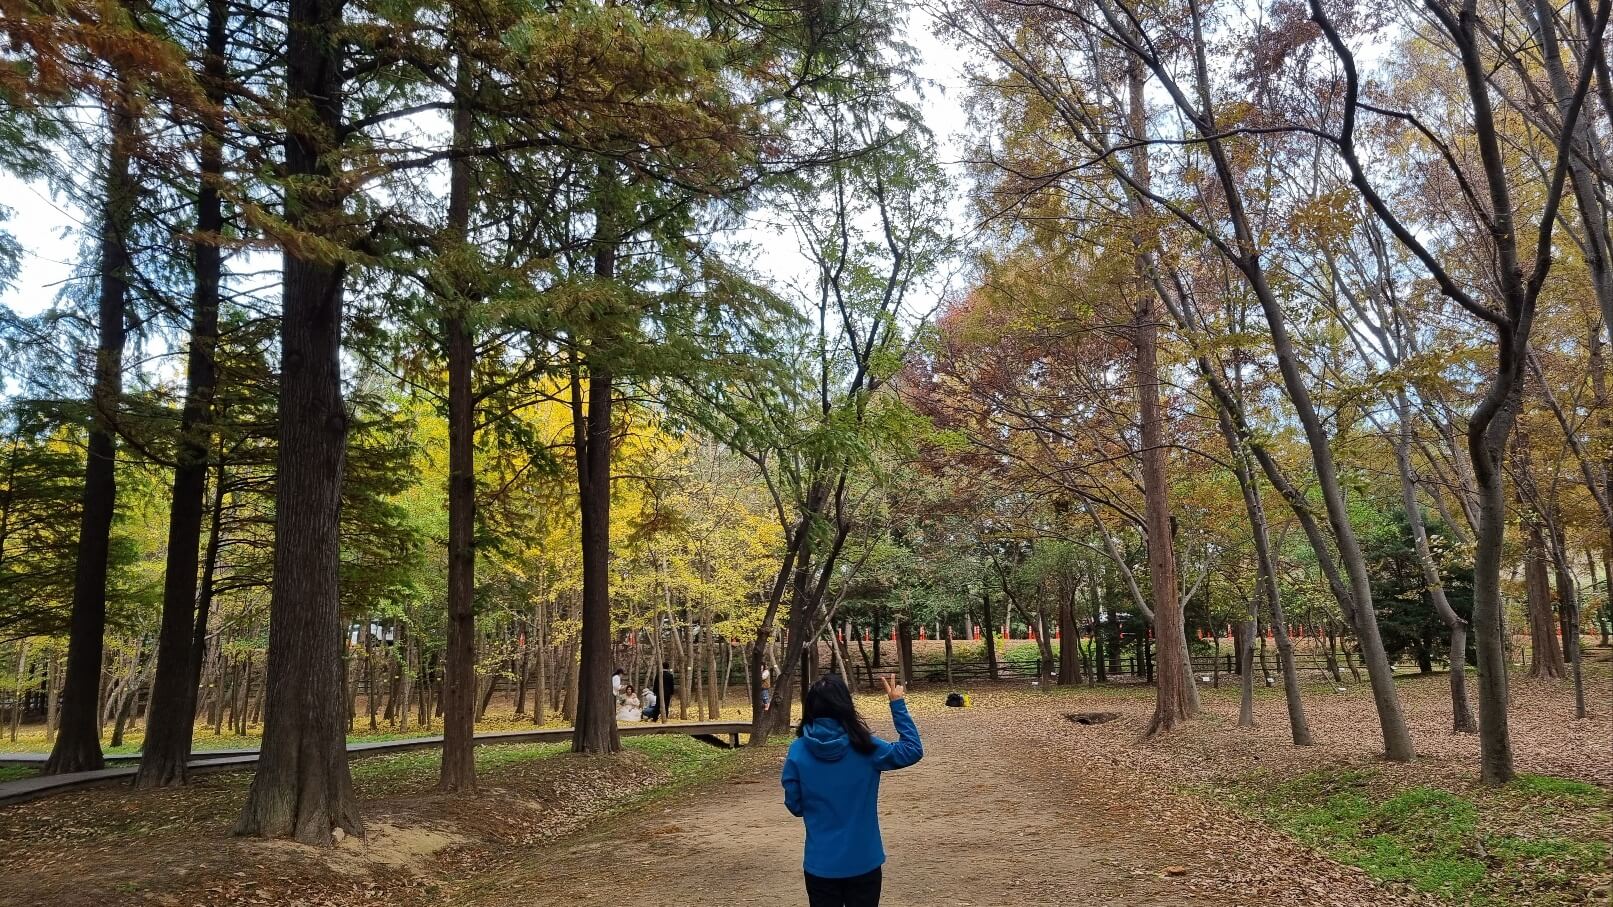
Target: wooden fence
x,y
1127,667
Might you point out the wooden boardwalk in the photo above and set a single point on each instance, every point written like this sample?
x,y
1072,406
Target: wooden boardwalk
x,y
718,733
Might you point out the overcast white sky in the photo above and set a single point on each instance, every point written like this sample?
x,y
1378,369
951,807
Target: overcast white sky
x,y
44,229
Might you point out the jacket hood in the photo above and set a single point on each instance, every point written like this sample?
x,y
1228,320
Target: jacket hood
x,y
826,739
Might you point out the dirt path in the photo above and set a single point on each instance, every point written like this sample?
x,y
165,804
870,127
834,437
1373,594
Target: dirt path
x,y
973,824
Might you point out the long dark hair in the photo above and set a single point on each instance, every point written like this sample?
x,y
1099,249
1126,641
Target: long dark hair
x,y
829,698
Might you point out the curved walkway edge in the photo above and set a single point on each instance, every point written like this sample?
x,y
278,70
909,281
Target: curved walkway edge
x,y
719,733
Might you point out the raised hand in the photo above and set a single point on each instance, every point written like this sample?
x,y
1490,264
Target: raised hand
x,y
893,687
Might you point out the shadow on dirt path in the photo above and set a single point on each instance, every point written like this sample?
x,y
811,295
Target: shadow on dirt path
x,y
972,824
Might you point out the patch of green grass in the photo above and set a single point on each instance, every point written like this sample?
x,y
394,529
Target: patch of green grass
x,y
32,739
1550,864
1422,836
689,762
491,757
422,766
684,758
392,769
1027,656
1554,788
17,772
1434,840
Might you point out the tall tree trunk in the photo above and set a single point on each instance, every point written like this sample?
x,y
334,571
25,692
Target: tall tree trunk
x,y
351,671
838,661
371,700
1568,608
394,673
1493,418
1462,721
573,670
1597,366
245,715
988,629
1298,725
1596,242
78,742
596,730
1230,406
20,694
904,647
1044,648
685,665
728,669
875,637
566,677
523,677
1546,654
1568,601
713,684
1487,442
302,787
540,666
1396,735
489,689
229,697
459,670
165,756
1101,653
400,698
1246,671
1069,643
795,631
216,680
805,611
761,726
1244,253
204,594
1176,699
53,696
125,707
595,722
426,702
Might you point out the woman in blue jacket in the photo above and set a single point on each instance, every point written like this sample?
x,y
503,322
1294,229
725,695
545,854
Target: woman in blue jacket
x,y
831,780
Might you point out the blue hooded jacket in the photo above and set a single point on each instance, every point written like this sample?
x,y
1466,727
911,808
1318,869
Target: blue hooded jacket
x,y
836,790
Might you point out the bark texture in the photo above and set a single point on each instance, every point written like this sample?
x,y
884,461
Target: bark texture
x,y
302,787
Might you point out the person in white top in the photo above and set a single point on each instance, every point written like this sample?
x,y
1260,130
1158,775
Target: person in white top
x,y
647,697
628,706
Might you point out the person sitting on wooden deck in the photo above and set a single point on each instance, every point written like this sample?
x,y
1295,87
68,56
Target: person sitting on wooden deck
x,y
628,707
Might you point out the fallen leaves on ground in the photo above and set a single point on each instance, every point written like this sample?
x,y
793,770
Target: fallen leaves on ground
x,y
174,847
115,845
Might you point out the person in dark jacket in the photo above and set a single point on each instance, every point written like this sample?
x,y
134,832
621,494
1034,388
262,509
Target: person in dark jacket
x,y
669,685
831,781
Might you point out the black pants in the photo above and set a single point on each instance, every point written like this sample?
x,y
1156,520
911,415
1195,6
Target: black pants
x,y
857,891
